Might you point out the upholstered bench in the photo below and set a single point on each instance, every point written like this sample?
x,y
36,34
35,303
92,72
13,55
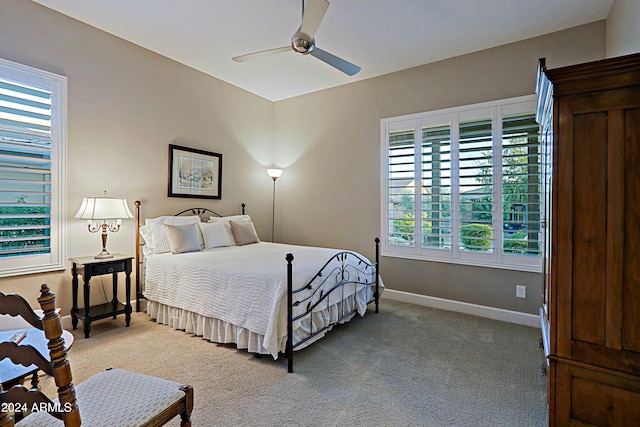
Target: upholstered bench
x,y
116,397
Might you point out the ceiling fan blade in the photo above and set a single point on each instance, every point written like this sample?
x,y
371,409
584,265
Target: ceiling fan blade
x,y
250,56
312,16
346,67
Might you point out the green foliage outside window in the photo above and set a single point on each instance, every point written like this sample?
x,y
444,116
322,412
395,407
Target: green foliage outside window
x,y
476,237
516,243
481,208
18,222
404,229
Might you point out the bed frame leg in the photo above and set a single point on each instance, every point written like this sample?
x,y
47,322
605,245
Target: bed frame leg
x,y
289,350
377,240
137,204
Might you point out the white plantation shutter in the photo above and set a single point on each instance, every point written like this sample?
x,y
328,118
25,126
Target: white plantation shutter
x,y
475,148
436,187
401,196
31,178
478,198
521,185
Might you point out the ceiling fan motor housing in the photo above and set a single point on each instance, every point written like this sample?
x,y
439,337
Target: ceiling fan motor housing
x,y
302,43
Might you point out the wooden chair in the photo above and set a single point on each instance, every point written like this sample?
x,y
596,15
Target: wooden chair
x,y
114,397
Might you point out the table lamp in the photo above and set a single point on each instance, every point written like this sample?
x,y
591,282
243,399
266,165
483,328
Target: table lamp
x,y
100,213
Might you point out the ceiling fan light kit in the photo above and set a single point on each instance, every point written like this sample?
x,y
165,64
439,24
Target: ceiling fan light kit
x,y
303,41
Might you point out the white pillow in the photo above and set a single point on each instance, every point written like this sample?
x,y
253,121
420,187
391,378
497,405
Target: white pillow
x,y
159,239
235,218
148,248
145,233
183,238
226,219
216,234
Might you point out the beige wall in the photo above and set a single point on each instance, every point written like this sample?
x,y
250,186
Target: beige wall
x,y
623,28
126,105
330,190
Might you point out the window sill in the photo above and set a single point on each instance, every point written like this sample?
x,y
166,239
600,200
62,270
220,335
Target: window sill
x,y
21,271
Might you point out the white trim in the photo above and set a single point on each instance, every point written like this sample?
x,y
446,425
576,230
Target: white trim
x,y
446,111
66,322
510,316
56,259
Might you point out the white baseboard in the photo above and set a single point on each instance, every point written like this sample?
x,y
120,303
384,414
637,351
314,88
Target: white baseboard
x,y
464,307
66,322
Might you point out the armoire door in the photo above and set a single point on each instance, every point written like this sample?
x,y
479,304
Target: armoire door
x,y
598,268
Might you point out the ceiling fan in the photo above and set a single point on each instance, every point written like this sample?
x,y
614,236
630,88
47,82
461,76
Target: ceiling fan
x,y
303,41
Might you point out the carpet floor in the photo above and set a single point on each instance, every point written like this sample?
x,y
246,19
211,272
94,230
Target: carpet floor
x,y
405,366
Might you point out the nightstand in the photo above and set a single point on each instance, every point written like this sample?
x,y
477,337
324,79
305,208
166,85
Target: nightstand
x,y
89,267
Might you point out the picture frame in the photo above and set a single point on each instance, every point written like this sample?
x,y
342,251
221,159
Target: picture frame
x,y
194,173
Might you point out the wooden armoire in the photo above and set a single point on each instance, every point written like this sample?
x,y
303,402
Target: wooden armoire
x,y
590,130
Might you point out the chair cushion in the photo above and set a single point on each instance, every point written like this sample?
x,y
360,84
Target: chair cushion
x,y
117,398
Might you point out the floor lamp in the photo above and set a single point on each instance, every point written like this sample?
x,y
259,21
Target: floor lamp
x,y
274,174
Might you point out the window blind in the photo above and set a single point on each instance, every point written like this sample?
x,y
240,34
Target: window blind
x,y
476,185
25,169
521,185
402,188
436,187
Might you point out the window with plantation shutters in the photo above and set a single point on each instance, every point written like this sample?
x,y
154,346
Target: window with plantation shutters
x,y
32,106
464,183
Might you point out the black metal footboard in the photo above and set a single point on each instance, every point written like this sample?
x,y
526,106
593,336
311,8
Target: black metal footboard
x,y
344,268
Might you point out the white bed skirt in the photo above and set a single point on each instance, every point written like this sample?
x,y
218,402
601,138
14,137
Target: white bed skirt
x,y
219,331
214,330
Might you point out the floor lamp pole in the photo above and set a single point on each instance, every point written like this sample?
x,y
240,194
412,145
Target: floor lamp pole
x,y
273,209
274,174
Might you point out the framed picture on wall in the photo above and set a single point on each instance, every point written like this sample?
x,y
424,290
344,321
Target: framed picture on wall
x,y
194,173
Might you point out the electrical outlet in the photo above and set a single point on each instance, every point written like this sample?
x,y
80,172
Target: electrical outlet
x,y
521,291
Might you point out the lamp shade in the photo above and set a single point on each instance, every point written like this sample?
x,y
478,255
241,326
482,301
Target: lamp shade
x,y
100,208
274,173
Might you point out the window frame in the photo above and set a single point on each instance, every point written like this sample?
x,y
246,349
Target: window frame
x,y
55,260
497,110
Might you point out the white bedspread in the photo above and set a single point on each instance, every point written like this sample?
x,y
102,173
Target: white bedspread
x,y
244,286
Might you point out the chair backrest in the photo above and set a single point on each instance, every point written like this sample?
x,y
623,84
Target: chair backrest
x,y
55,365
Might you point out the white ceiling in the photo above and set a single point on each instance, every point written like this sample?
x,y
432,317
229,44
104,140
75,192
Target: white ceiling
x,y
381,36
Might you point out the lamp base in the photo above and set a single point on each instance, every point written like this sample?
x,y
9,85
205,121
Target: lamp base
x,y
103,255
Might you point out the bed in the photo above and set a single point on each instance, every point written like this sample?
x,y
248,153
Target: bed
x,y
211,276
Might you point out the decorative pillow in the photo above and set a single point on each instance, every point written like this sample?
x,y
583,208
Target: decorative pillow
x,y
226,220
216,234
244,232
159,240
183,238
